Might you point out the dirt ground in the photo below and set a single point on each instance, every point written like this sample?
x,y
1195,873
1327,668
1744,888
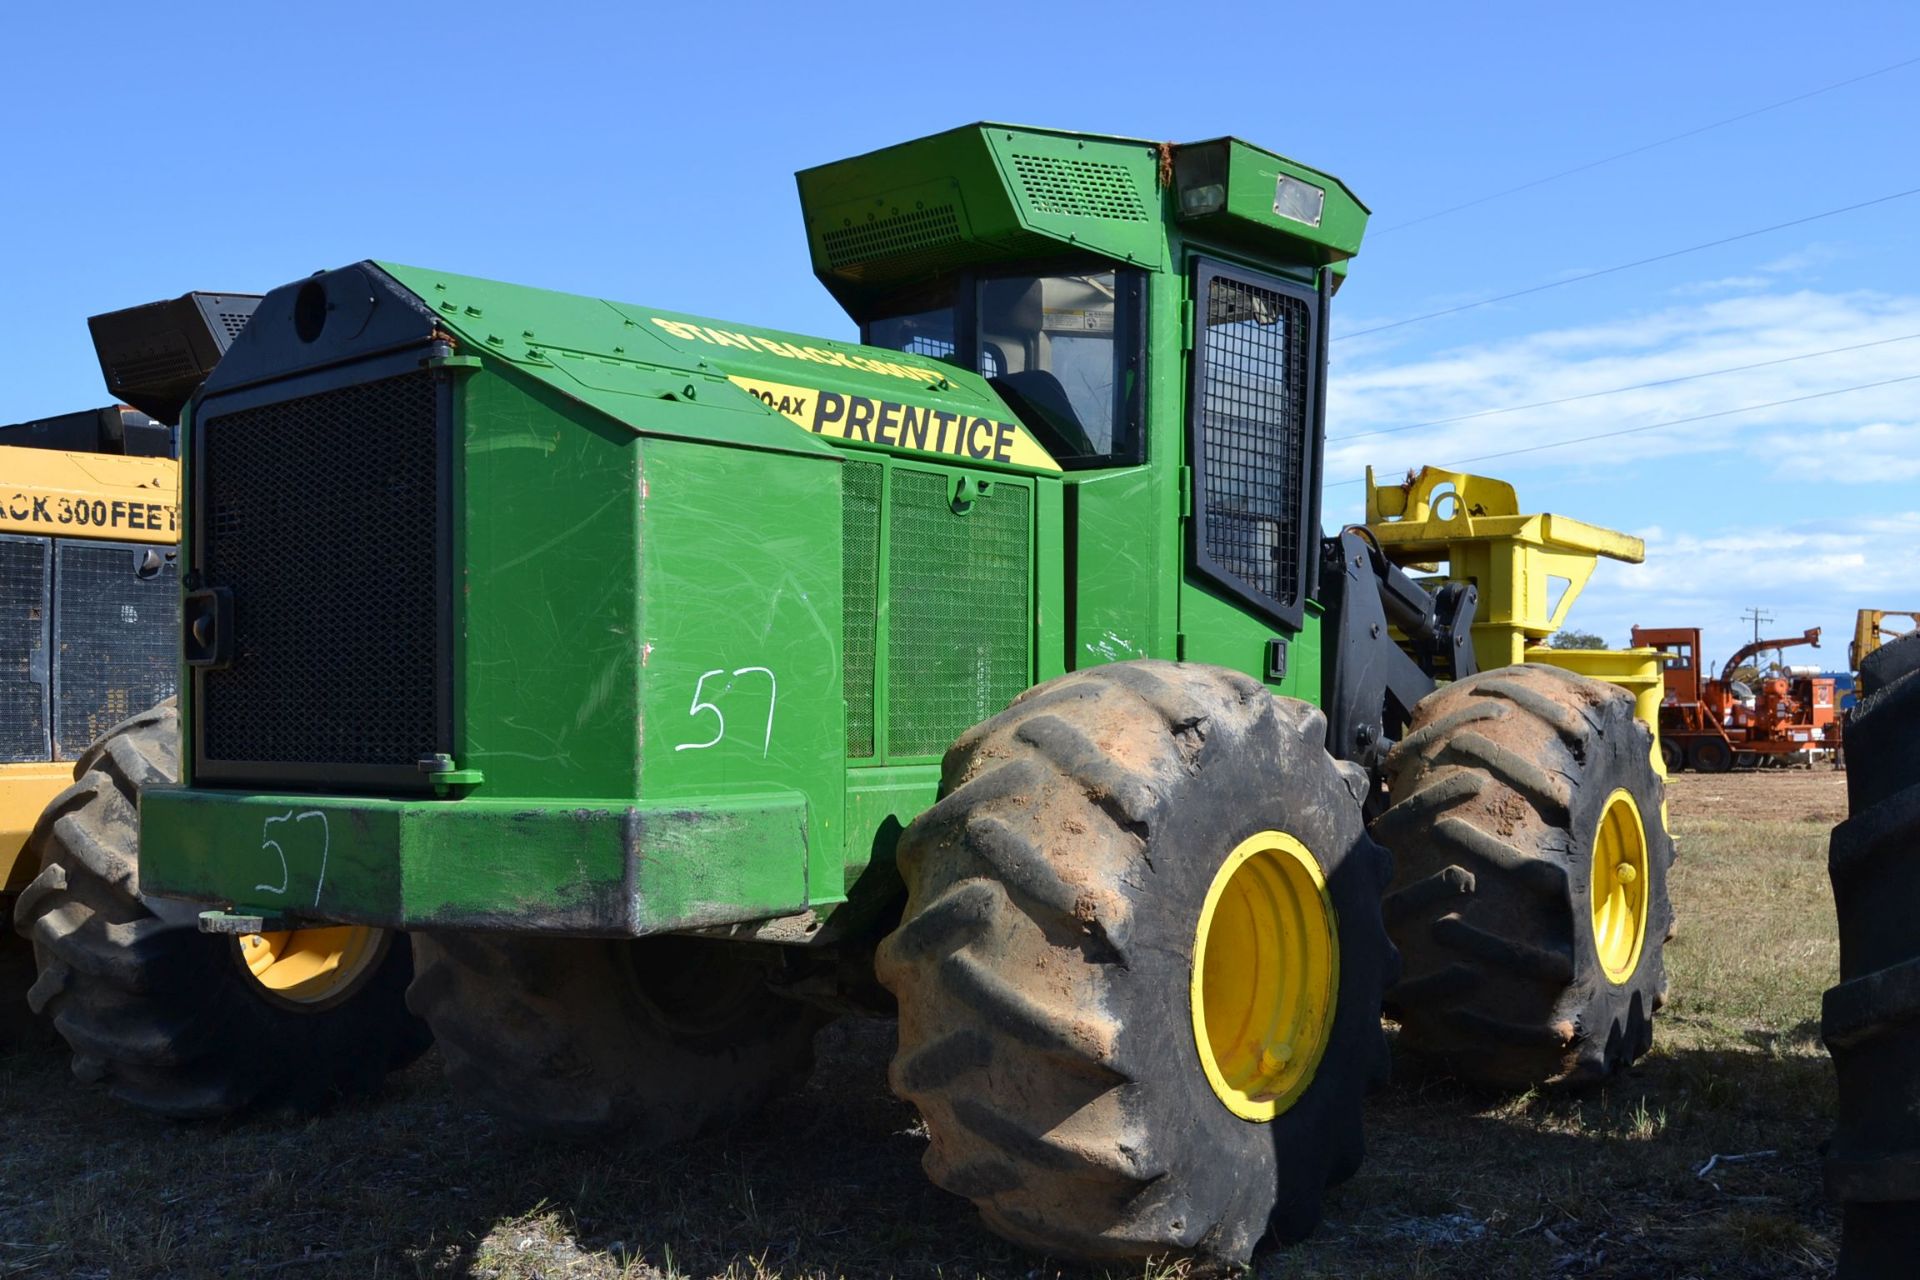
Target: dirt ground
x,y
1701,1161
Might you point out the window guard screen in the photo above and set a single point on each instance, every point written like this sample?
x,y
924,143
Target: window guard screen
x,y
1250,427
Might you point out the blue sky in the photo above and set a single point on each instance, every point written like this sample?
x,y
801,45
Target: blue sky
x,y
645,153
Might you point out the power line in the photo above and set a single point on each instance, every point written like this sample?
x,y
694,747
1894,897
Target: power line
x,y
1655,426
1622,155
1614,391
1626,266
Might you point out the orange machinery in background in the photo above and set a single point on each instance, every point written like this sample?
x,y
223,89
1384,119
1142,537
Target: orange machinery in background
x,y
1712,724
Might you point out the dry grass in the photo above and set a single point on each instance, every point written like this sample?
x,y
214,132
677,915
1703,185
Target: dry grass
x,y
828,1183
1462,1184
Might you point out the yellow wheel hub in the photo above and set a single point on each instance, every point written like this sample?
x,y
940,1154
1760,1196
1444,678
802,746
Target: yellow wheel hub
x,y
1619,888
311,966
1266,968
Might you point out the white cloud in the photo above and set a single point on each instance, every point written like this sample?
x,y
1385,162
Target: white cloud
x,y
1878,453
1799,261
1812,572
1367,395
1727,284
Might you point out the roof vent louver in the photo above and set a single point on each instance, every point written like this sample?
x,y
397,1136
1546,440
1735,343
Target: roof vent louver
x,y
1078,188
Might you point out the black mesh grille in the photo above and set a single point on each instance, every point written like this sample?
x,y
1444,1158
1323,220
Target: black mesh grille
x,y
24,613
860,592
1253,434
320,515
115,638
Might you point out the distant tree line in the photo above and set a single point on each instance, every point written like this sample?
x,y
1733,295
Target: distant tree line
x,y
1575,640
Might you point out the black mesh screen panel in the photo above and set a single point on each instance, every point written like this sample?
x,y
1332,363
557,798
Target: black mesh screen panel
x,y
25,613
1251,435
115,635
959,608
320,515
860,576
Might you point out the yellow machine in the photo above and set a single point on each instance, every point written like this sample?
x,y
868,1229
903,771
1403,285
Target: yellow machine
x,y
1529,568
89,605
1870,631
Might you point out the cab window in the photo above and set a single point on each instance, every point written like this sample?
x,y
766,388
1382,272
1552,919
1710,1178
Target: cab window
x,y
1047,344
1063,349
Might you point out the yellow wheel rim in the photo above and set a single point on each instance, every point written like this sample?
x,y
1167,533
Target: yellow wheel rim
x,y
311,966
1619,888
1266,967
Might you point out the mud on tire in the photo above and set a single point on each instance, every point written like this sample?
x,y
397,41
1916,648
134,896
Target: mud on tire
x,y
166,1017
1044,962
1871,1020
661,1038
1496,795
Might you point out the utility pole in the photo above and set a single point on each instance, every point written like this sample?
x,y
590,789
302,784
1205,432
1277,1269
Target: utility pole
x,y
1758,618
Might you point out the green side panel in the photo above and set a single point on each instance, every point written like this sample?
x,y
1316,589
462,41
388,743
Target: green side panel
x,y
1223,634
1123,603
582,868
1050,580
960,595
740,639
881,801
548,601
1129,548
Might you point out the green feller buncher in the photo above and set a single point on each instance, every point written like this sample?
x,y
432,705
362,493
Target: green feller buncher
x,y
680,683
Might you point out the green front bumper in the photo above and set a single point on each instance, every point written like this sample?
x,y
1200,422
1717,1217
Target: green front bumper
x,y
479,864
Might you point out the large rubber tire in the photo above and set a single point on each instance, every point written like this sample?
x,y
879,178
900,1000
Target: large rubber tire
x,y
168,1018
1497,793
1711,755
1885,665
1044,962
1871,1020
663,1038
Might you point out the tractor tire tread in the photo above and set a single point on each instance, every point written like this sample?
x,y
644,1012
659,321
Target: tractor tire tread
x,y
1891,662
1488,900
1029,880
1870,1020
1449,882
162,1015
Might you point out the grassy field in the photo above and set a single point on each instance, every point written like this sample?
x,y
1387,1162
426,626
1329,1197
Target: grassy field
x,y
1461,1184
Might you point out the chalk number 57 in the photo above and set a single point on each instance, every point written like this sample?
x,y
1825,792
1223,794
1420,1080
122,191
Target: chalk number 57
x,y
702,707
